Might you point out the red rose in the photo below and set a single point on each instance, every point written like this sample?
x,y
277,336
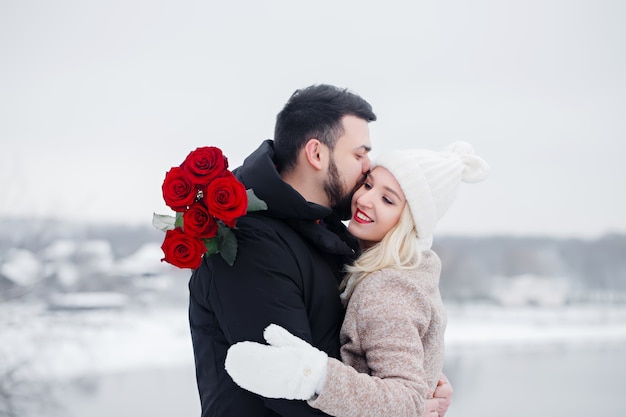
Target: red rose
x,y
204,164
226,198
198,222
178,190
182,250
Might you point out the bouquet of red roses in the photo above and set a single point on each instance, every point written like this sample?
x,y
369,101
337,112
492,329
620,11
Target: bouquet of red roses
x,y
208,199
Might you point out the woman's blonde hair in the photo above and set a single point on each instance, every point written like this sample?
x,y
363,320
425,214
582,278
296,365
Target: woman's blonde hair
x,y
398,249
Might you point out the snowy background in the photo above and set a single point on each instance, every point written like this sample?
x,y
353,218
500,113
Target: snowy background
x,y
99,99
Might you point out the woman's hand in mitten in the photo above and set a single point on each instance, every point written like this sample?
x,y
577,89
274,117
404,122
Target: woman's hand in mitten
x,y
287,367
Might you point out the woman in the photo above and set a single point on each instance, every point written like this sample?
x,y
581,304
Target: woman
x,y
392,336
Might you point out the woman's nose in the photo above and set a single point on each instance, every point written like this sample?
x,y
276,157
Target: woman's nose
x,y
364,200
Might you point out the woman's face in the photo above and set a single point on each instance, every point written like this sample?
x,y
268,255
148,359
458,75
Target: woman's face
x,y
376,207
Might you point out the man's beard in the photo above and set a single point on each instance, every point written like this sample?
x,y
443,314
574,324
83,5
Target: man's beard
x,y
340,201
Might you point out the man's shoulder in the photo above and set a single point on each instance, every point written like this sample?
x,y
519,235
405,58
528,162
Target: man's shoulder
x,y
263,232
255,223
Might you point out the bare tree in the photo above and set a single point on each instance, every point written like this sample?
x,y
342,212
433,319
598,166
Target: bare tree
x,y
20,396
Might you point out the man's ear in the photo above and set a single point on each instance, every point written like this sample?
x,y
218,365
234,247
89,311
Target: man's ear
x,y
315,153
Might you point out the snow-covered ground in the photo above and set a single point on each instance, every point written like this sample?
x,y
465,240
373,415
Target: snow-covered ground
x,y
65,344
487,327
57,344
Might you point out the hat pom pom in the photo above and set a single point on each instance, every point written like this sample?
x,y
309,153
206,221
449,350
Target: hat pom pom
x,y
475,168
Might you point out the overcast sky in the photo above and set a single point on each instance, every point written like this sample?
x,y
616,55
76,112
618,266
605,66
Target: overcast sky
x,y
98,99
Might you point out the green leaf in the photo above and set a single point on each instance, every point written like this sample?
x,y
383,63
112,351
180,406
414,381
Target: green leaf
x,y
163,222
254,202
228,244
212,245
179,219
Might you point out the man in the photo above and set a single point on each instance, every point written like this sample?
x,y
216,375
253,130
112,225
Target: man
x,y
289,257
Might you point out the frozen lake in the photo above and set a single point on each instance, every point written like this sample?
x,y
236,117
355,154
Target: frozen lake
x,y
548,383
568,361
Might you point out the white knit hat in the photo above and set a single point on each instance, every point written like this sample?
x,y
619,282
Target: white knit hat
x,y
430,180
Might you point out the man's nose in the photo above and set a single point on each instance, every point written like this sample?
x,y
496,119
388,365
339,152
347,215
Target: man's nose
x,y
367,164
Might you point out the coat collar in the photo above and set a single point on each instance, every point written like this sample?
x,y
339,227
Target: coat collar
x,y
284,202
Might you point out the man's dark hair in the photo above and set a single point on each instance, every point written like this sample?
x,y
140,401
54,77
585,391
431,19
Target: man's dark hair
x,y
315,112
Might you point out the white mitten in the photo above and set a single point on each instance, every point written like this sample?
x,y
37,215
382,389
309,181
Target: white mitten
x,y
287,368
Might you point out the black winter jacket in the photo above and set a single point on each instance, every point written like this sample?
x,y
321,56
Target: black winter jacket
x,y
287,270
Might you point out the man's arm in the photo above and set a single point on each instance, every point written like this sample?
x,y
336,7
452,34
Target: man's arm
x,y
258,290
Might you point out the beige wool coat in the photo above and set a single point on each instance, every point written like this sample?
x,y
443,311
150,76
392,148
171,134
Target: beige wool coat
x,y
392,345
